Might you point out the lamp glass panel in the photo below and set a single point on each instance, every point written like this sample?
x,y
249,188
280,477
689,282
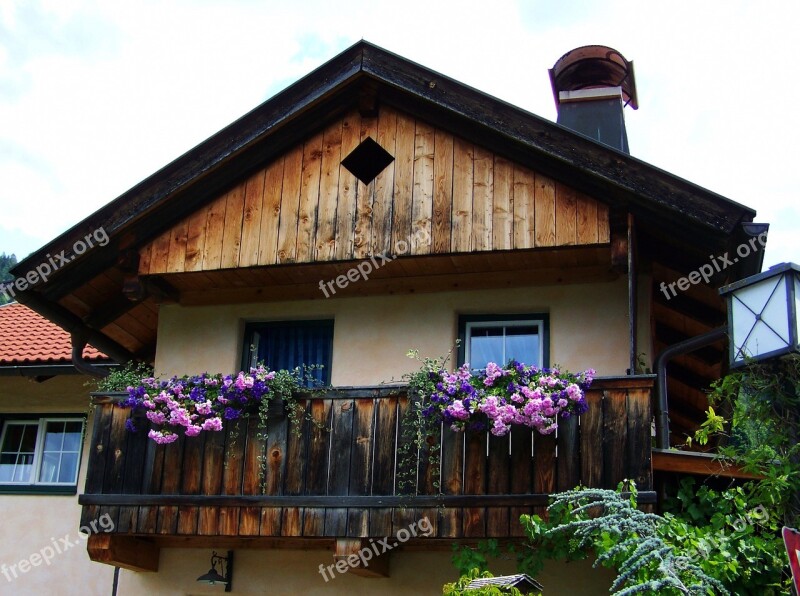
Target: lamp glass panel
x,y
752,337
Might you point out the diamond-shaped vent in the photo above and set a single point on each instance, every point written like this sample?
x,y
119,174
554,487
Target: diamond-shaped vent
x,y
367,160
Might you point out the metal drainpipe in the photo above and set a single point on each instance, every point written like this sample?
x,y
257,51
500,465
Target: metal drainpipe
x,y
684,347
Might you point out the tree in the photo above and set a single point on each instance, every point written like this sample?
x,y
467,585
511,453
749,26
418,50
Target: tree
x,y
6,263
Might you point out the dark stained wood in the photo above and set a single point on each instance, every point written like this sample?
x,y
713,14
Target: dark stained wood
x,y
614,427
569,454
498,483
592,440
341,479
339,471
475,478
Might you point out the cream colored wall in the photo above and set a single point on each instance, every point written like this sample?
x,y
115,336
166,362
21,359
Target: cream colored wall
x,y
296,572
588,328
33,523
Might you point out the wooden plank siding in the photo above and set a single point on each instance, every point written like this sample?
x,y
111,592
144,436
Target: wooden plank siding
x,y
450,195
339,478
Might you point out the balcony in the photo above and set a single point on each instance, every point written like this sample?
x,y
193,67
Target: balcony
x,y
329,485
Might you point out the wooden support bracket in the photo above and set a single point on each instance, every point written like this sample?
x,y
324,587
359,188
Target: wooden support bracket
x,y
359,557
128,552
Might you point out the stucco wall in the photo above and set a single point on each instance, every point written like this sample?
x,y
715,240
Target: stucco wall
x,y
32,524
588,328
296,572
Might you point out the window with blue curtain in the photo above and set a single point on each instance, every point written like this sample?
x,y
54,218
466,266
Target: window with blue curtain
x,y
289,344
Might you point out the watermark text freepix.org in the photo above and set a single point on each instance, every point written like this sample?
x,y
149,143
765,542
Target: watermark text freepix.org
x,y
375,549
53,263
57,546
365,268
717,265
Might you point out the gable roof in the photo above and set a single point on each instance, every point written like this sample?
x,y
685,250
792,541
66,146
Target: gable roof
x,y
27,338
690,218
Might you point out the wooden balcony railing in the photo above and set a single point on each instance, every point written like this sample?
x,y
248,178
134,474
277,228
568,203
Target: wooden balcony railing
x,y
341,481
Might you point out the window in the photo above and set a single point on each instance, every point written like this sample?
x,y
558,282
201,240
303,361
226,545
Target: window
x,y
42,452
289,344
500,338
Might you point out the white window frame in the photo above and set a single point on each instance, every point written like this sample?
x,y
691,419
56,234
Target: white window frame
x,y
38,451
538,323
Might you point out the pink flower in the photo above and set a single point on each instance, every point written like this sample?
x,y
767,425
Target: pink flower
x,y
156,417
203,408
162,437
213,424
193,430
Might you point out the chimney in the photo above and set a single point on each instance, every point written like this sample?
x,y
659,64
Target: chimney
x,y
591,86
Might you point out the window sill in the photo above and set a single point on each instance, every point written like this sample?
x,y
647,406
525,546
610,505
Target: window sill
x,y
28,489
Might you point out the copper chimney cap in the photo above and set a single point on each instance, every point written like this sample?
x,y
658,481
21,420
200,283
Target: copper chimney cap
x,y
592,67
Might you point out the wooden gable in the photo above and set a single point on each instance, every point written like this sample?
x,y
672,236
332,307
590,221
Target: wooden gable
x,y
449,195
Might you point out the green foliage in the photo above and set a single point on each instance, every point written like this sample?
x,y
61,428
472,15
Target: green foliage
x,y
458,588
7,262
731,536
122,377
623,538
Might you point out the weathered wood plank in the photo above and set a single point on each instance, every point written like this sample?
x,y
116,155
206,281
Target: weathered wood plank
x,y
365,197
380,520
251,221
170,485
215,228
271,213
159,260
503,206
145,254
114,476
498,483
309,199
235,442
452,481
566,216
348,188
290,205
614,444
442,191
177,247
545,211
592,441
384,184
212,469
339,471
275,473
638,452
403,180
461,240
191,479
317,466
254,454
587,219
475,478
603,223
295,473
325,245
195,239
482,199
524,208
422,196
544,471
521,474
569,456
361,465
232,233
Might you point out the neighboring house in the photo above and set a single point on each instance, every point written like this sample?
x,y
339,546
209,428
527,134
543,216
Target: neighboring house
x,y
43,409
372,207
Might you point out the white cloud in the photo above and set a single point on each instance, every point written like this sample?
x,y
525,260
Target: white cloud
x,y
95,96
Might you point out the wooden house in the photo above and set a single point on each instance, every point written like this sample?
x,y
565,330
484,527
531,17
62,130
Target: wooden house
x,y
372,207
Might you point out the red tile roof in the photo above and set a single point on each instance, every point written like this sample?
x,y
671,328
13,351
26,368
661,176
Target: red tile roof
x,y
28,338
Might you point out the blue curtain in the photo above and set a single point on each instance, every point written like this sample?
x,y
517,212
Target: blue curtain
x,y
291,344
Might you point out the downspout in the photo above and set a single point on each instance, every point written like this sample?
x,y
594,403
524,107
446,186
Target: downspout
x,y
684,347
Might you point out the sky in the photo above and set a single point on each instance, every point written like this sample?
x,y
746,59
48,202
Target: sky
x,y
97,95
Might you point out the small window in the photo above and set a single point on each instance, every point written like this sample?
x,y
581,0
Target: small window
x,y
498,339
367,160
40,452
289,344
